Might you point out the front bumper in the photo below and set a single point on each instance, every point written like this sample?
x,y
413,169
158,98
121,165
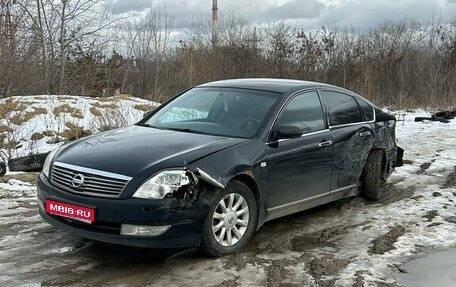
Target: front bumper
x,y
186,222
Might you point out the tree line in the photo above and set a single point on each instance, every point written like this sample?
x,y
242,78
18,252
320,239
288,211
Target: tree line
x,y
77,47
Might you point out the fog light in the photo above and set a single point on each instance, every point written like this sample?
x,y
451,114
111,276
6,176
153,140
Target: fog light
x,y
143,230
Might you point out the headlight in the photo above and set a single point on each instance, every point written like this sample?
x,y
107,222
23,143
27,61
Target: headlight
x,y
166,182
47,162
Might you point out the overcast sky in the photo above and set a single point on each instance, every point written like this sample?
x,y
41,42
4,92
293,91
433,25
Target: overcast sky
x,y
307,13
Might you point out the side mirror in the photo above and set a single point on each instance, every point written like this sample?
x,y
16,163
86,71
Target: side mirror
x,y
287,132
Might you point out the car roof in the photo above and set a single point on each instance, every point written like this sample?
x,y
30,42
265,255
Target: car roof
x,y
272,85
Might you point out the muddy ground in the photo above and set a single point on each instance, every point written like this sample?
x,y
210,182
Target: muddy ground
x,y
298,250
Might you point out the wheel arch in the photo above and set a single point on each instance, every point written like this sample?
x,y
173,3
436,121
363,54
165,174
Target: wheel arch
x,y
251,183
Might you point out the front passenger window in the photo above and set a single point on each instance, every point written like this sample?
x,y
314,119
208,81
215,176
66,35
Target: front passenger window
x,y
304,111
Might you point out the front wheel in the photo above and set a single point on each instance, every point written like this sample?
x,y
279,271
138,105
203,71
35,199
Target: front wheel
x,y
231,221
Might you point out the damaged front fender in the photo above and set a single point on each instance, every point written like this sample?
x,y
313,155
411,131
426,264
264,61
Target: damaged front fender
x,y
199,174
207,178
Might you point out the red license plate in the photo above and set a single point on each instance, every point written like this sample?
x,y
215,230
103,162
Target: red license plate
x,y
77,212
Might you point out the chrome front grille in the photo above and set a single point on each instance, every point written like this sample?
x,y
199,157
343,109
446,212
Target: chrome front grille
x,y
88,181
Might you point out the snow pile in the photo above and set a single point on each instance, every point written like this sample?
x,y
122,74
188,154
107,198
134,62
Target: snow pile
x,y
35,124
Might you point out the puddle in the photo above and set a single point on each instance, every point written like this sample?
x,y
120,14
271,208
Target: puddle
x,y
434,270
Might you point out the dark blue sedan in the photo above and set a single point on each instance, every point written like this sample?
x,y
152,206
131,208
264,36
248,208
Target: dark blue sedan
x,y
211,165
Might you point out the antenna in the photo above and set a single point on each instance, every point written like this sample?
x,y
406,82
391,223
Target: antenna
x,y
214,22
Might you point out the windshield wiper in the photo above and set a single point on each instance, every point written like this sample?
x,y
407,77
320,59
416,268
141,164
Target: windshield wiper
x,y
185,130
144,125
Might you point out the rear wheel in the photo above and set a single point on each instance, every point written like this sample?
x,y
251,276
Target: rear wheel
x,y
371,180
231,221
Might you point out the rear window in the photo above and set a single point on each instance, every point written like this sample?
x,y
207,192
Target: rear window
x,y
342,108
367,109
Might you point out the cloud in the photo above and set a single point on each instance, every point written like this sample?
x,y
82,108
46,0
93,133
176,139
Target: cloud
x,y
126,6
360,13
297,9
255,11
307,13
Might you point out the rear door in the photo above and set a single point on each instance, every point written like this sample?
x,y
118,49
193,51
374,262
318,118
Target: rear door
x,y
299,168
352,137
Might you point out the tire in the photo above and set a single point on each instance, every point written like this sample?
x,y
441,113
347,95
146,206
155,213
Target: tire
x,y
371,180
28,163
420,119
230,221
2,168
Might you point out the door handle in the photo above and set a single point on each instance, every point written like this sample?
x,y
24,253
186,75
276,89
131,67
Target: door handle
x,y
325,143
365,134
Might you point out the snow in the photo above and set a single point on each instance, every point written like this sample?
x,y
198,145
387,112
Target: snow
x,y
423,142
27,115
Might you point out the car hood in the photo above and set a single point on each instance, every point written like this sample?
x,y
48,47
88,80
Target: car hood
x,y
137,150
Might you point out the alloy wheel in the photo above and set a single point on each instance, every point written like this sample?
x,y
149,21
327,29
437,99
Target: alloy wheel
x,y
230,219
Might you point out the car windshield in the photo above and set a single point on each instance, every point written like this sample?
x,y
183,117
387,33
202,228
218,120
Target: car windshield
x,y
216,111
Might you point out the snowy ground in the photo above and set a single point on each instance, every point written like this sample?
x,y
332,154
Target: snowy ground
x,y
351,242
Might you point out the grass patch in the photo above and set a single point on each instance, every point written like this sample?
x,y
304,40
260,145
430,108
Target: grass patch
x,y
105,106
9,105
34,113
8,144
95,112
106,99
5,129
74,132
20,118
125,97
66,108
48,133
144,108
36,136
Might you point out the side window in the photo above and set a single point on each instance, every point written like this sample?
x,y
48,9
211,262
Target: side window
x,y
368,110
305,111
342,109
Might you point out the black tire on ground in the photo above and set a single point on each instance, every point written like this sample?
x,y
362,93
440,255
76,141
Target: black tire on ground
x,y
209,243
420,119
442,120
28,163
399,157
371,180
2,168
